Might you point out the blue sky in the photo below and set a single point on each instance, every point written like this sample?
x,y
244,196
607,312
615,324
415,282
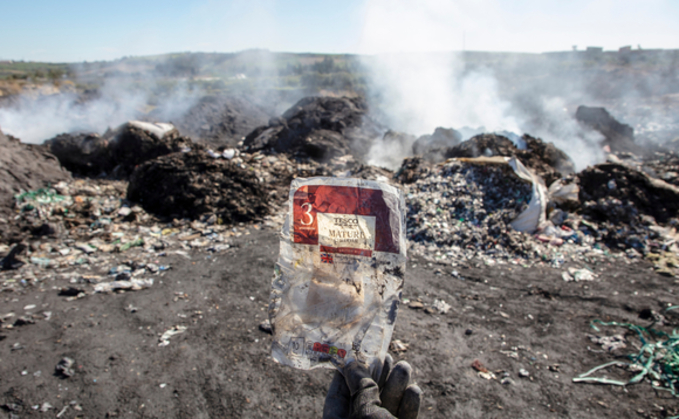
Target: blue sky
x,y
77,30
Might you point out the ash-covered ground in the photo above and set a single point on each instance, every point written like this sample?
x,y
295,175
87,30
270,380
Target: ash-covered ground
x,y
136,266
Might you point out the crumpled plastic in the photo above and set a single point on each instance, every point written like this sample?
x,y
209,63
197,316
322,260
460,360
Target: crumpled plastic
x,y
340,272
533,216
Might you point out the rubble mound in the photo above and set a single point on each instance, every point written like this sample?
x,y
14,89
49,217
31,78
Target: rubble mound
x,y
317,127
618,136
458,207
23,167
433,146
221,121
483,145
136,142
188,185
82,153
664,166
618,193
118,151
543,158
412,169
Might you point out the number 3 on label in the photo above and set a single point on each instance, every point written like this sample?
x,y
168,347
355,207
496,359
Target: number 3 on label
x,y
307,206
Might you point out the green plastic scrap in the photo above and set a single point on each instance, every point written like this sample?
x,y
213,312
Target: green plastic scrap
x,y
134,243
657,359
40,196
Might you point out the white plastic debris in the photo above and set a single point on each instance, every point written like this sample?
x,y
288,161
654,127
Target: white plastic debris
x,y
581,274
133,284
229,153
441,306
165,338
560,192
159,129
340,272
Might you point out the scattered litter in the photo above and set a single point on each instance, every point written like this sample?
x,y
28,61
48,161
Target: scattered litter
x,y
265,327
657,359
507,381
132,284
609,343
397,346
69,292
165,338
482,370
65,367
578,275
441,306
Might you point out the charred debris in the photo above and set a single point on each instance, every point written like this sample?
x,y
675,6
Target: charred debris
x,y
490,199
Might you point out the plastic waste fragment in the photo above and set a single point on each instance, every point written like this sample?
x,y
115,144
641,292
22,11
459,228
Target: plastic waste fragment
x,y
132,284
341,268
165,338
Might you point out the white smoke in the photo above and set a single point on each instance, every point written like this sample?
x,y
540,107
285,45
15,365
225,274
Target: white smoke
x,y
419,91
36,118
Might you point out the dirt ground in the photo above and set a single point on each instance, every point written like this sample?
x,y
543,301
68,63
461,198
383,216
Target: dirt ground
x,y
221,367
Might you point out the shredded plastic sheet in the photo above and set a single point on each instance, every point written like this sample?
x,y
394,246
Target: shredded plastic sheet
x,y
338,280
657,359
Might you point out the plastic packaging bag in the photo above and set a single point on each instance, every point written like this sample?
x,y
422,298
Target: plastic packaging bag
x,y
338,280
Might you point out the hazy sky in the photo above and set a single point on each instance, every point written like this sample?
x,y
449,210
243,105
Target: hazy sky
x,y
76,30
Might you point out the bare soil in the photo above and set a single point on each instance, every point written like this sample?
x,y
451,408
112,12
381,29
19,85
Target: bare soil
x,y
221,367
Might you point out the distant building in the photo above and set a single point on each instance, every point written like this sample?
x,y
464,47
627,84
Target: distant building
x,y
625,49
594,50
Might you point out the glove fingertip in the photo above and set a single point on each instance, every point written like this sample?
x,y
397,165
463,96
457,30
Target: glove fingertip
x,y
386,370
410,404
337,400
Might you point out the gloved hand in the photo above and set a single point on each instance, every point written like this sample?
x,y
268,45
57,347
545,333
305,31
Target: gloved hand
x,y
355,394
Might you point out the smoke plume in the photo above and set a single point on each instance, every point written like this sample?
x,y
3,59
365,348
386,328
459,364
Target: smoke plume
x,y
417,91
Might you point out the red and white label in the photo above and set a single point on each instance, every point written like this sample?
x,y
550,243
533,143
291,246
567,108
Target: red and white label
x,y
344,219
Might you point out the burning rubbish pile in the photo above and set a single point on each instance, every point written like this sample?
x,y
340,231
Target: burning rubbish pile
x,y
629,210
319,128
618,137
544,159
432,147
489,199
117,152
466,207
459,208
219,121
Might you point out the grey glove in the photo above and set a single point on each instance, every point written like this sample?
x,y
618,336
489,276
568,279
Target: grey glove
x,y
355,394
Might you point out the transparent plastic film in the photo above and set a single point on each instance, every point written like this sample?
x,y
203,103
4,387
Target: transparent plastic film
x,y
340,272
